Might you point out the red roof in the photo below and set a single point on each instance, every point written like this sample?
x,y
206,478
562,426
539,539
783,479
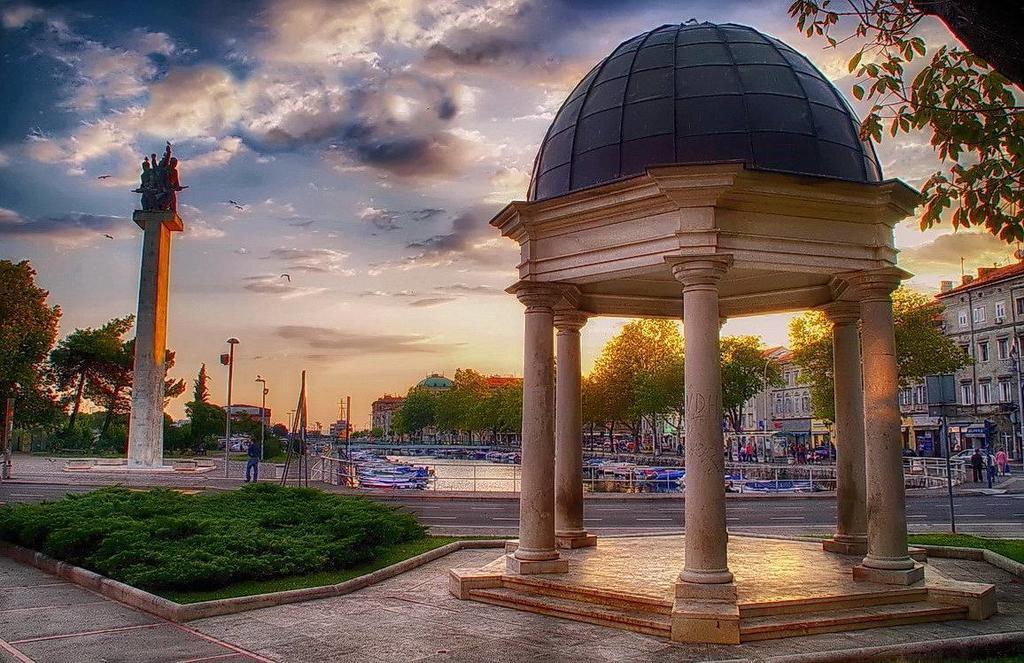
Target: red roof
x,y
499,381
987,275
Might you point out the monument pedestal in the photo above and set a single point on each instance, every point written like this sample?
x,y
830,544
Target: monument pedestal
x,y
146,421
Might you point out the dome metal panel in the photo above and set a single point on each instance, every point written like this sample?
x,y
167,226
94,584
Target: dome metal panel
x,y
705,93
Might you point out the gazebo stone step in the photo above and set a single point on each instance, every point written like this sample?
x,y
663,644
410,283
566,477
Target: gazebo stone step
x,y
641,622
594,595
893,596
785,626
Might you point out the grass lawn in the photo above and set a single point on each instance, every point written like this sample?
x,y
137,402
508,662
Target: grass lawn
x,y
391,555
1012,548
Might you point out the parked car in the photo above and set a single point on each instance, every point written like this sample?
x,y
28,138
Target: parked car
x,y
966,454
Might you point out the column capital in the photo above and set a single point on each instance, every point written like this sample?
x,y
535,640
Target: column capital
x,y
536,295
700,270
875,285
570,320
842,313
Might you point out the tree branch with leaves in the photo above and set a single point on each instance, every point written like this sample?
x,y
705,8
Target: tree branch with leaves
x,y
965,97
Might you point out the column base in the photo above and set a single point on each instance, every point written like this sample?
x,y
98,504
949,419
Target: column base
x,y
705,612
845,544
570,540
909,576
533,566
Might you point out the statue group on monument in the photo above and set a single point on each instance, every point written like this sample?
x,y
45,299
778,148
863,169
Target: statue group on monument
x,y
160,186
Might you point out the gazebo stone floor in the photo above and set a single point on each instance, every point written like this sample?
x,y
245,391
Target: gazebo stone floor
x,y
784,587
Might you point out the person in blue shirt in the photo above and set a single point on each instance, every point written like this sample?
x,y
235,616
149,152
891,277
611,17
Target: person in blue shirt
x,y
252,466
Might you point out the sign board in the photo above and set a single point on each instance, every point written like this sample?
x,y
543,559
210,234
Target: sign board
x,y
940,389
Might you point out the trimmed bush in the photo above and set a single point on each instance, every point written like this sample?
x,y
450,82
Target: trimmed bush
x,y
161,539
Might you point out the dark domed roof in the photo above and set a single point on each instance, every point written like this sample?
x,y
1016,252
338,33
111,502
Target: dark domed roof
x,y
687,94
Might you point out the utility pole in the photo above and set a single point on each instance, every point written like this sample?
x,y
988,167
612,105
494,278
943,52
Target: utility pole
x,y
232,342
263,413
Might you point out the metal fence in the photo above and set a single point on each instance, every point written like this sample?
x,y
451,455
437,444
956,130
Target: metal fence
x,y
615,477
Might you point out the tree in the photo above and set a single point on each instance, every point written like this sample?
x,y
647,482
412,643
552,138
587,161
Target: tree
x,y
84,355
746,372
28,326
964,97
418,411
201,390
28,329
921,347
642,366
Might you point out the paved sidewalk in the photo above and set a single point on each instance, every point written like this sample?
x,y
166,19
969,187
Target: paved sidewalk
x,y
47,620
414,618
408,618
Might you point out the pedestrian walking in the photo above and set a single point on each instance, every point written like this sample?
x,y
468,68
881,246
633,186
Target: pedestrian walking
x,y
1001,461
977,465
252,465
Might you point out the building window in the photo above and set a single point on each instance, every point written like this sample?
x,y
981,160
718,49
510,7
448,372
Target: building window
x,y
963,317
984,393
966,393
982,350
1005,391
1020,305
966,350
807,404
919,395
1000,311
1003,348
979,314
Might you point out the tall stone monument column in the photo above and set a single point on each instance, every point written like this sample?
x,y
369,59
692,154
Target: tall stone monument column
x,y
887,559
705,608
851,502
146,422
537,551
569,530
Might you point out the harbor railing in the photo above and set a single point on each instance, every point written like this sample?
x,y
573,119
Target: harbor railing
x,y
485,477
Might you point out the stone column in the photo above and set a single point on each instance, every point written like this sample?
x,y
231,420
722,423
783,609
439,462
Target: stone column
x,y
537,552
705,607
569,530
146,421
851,505
887,558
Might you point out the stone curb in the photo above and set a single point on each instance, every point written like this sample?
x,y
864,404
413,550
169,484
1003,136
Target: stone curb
x,y
184,612
969,648
977,554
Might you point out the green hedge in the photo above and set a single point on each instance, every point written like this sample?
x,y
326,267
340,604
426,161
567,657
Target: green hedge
x,y
161,539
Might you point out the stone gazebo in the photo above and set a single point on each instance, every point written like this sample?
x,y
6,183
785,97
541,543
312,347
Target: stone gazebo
x,y
704,172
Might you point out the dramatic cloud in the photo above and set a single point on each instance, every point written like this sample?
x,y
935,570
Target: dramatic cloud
x,y
275,284
311,260
352,343
471,239
942,255
74,228
385,219
198,101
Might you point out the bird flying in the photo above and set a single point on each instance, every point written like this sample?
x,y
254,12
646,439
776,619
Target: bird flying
x,y
236,204
287,276
103,177
108,236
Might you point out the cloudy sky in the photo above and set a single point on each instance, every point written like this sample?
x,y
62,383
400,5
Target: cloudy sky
x,y
366,145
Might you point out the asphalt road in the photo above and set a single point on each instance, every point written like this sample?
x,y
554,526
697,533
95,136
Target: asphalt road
x,y
995,515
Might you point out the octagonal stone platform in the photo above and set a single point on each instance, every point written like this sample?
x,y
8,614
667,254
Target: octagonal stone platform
x,y
784,588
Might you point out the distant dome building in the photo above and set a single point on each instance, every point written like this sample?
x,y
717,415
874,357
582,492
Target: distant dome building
x,y
435,382
703,93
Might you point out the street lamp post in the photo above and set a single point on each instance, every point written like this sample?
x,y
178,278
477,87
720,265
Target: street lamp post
x,y
263,413
232,342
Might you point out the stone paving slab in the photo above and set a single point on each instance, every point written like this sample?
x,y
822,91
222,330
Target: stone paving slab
x,y
155,644
46,620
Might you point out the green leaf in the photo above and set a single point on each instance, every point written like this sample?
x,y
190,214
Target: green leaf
x,y
855,60
858,92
